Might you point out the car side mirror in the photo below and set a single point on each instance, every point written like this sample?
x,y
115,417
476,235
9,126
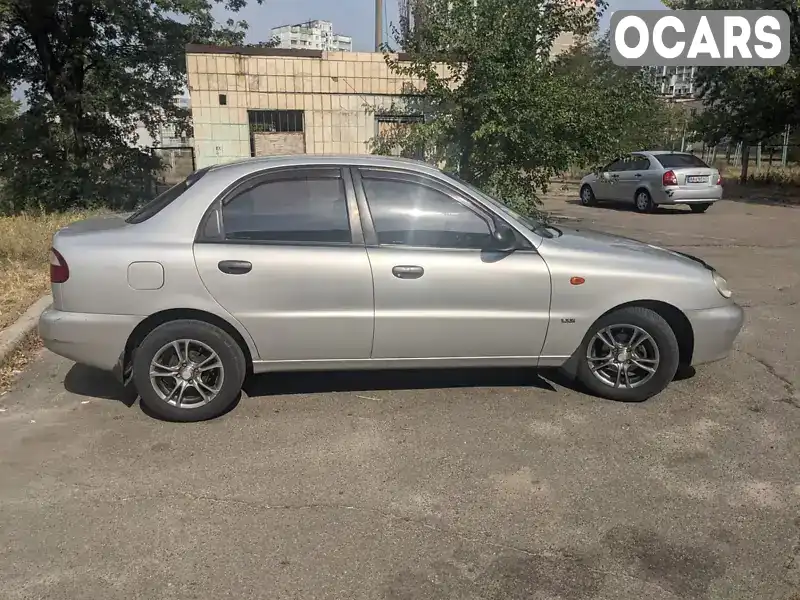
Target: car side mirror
x,y
503,238
605,175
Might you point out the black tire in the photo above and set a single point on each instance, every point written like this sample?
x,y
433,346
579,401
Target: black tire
x,y
643,201
234,368
700,208
664,338
587,196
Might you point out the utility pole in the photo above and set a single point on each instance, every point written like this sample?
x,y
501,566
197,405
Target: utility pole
x,y
378,25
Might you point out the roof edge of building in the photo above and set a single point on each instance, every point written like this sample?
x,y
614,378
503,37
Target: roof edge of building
x,y
251,51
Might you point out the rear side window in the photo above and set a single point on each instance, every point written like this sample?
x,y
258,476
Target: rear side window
x,y
305,210
160,202
680,161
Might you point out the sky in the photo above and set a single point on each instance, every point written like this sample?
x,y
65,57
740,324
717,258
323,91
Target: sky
x,y
355,18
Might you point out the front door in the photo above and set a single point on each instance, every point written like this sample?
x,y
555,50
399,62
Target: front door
x,y
289,266
440,292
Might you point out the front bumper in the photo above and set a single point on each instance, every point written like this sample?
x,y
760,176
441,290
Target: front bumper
x,y
96,340
715,330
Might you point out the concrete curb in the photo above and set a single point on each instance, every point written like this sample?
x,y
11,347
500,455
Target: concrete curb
x,y
13,335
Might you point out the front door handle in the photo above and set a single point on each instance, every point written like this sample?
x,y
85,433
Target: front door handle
x,y
235,267
638,175
408,272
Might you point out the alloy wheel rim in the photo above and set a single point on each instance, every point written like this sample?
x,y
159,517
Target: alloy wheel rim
x,y
586,195
623,356
641,201
187,373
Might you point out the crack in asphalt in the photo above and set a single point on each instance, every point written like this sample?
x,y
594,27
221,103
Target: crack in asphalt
x,y
793,398
768,304
256,505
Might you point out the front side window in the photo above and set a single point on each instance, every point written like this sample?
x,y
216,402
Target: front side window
x,y
618,165
297,210
412,214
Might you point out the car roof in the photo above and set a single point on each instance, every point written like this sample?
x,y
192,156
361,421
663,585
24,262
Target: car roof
x,y
662,152
299,160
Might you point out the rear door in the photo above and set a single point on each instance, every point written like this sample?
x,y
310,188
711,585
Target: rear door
x,y
439,291
284,254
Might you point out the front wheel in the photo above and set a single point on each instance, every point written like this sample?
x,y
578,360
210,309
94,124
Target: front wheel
x,y
188,370
587,196
700,208
628,355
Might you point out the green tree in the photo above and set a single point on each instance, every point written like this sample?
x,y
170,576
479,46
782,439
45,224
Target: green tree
x,y
8,107
748,104
94,69
498,109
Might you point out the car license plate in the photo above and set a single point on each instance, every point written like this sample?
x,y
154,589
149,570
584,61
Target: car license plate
x,y
697,179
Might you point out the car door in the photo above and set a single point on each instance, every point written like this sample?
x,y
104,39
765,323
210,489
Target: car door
x,y
625,180
635,168
284,254
607,182
440,291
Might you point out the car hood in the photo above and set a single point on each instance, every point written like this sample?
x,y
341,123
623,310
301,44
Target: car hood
x,y
598,243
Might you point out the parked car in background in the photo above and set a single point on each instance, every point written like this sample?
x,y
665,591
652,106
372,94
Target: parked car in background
x,y
337,263
649,179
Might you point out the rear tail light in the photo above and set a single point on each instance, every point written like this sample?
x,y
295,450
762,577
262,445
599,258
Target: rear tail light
x,y
59,271
669,178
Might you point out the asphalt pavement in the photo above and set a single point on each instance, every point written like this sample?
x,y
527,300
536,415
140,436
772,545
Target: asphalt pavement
x,y
497,484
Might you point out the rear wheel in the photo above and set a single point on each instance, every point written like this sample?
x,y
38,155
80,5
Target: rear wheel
x,y
587,196
644,202
700,208
188,371
629,355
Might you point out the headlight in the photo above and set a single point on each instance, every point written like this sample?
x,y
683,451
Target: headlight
x,y
722,285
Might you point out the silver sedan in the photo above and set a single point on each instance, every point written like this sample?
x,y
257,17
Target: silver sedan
x,y
331,263
649,179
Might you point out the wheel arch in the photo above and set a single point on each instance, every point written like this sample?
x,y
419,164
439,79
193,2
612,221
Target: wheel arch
x,y
142,330
677,321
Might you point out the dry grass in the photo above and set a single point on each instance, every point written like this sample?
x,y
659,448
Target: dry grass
x,y
24,244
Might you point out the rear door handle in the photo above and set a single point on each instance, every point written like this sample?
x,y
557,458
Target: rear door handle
x,y
235,267
638,175
408,272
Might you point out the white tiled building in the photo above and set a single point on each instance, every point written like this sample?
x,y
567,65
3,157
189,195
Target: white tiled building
x,y
675,82
312,35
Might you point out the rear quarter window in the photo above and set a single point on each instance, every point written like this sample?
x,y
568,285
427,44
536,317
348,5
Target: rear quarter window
x,y
680,161
160,202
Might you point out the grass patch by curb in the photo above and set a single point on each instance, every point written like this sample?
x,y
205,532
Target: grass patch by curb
x,y
18,360
24,244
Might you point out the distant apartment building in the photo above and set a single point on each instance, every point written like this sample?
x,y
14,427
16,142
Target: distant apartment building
x,y
675,83
312,35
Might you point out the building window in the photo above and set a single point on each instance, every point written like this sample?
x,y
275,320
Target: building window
x,y
223,100
275,121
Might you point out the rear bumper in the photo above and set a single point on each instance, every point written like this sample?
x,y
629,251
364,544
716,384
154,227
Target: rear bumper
x,y
684,195
91,339
715,330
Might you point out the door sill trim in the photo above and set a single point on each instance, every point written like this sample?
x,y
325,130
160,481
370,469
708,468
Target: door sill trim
x,y
356,364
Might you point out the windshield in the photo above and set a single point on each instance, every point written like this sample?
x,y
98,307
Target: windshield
x,y
528,222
